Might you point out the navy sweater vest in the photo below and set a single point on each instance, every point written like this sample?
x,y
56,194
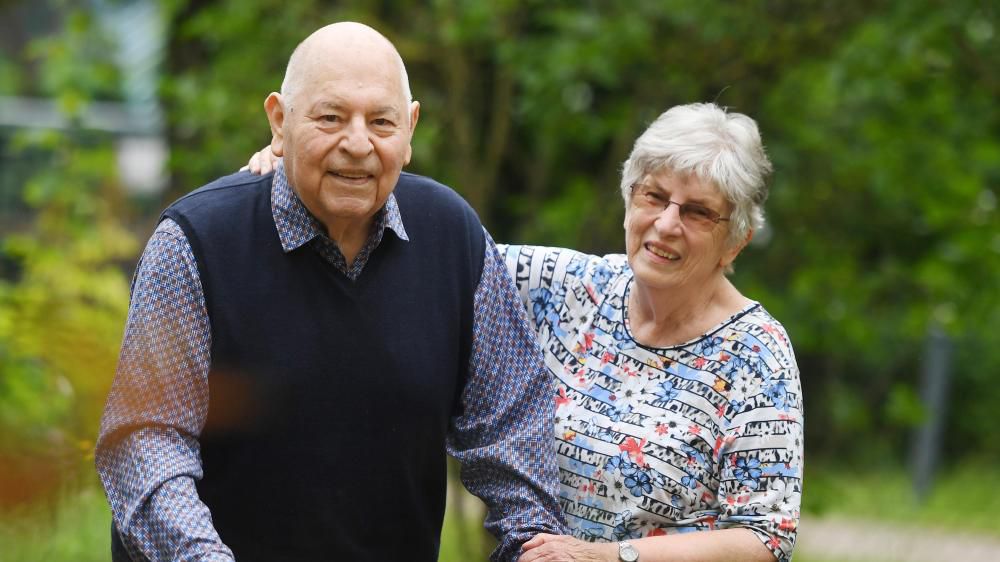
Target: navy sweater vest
x,y
330,399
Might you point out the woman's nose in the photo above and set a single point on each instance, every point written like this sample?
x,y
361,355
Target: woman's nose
x,y
669,218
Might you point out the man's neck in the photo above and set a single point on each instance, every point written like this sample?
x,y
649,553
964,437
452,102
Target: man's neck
x,y
350,238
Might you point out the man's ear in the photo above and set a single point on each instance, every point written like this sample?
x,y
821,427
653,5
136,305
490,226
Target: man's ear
x,y
275,108
414,117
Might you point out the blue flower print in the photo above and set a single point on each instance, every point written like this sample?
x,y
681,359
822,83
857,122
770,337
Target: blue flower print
x,y
666,391
734,368
638,483
778,394
593,532
735,407
711,345
675,500
659,480
544,304
689,481
747,472
614,463
621,337
628,468
695,455
582,468
602,431
615,413
541,303
610,312
602,274
576,267
758,367
625,527
624,465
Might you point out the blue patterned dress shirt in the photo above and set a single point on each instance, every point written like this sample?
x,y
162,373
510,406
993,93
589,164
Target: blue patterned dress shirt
x,y
148,452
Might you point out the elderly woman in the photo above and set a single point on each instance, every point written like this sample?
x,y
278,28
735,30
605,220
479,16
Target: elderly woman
x,y
678,403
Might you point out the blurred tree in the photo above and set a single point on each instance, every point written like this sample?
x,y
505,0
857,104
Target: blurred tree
x,y
62,311
884,223
529,108
881,118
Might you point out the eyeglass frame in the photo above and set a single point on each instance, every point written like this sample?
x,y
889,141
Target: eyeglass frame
x,y
715,220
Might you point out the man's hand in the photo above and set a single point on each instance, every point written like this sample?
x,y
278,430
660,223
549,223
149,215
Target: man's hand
x,y
563,548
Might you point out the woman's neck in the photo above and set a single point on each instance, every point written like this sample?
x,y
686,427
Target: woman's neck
x,y
659,318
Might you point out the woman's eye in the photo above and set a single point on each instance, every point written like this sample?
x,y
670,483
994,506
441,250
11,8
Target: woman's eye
x,y
700,213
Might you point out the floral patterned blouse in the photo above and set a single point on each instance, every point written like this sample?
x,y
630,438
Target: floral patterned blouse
x,y
652,441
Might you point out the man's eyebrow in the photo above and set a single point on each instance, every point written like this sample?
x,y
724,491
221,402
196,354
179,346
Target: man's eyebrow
x,y
387,110
330,105
326,105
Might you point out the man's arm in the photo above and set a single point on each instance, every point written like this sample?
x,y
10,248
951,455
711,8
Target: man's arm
x,y
147,453
504,437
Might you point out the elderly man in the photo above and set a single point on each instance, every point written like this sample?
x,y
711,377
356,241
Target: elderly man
x,y
302,347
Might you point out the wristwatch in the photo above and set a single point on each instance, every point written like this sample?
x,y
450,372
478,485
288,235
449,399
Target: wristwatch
x,y
627,552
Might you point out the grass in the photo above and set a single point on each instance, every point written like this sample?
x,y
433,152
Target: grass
x,y
462,540
77,527
961,499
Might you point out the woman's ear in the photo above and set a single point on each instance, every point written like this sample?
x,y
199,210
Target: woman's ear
x,y
729,256
275,107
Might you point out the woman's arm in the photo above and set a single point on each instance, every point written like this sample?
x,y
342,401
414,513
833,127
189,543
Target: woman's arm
x,y
737,545
262,162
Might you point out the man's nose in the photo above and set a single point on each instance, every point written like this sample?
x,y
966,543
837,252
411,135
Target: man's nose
x,y
356,140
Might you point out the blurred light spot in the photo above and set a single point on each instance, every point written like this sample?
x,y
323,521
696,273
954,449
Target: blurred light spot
x,y
936,59
836,309
987,201
944,313
979,30
762,237
63,386
578,96
141,163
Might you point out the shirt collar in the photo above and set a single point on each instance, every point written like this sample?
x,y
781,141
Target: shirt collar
x,y
296,226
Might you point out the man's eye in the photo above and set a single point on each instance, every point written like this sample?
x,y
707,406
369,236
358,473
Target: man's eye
x,y
382,122
331,118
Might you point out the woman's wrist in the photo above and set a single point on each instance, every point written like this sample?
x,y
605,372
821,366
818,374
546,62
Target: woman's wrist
x,y
610,552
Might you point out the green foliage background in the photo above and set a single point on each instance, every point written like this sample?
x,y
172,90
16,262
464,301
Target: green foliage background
x,y
881,117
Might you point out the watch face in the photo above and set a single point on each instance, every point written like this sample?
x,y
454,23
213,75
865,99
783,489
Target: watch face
x,y
627,552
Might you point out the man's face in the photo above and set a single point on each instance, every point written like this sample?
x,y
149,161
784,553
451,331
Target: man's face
x,y
345,136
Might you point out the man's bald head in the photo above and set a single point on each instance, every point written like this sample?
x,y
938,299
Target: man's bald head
x,y
342,39
343,126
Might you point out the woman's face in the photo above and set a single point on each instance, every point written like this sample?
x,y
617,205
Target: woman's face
x,y
666,252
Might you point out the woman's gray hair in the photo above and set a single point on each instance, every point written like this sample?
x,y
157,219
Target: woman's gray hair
x,y
715,145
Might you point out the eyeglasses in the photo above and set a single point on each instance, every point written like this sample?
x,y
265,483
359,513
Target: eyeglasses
x,y
650,200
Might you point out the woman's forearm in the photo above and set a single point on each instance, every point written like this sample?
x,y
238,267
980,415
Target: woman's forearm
x,y
704,546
